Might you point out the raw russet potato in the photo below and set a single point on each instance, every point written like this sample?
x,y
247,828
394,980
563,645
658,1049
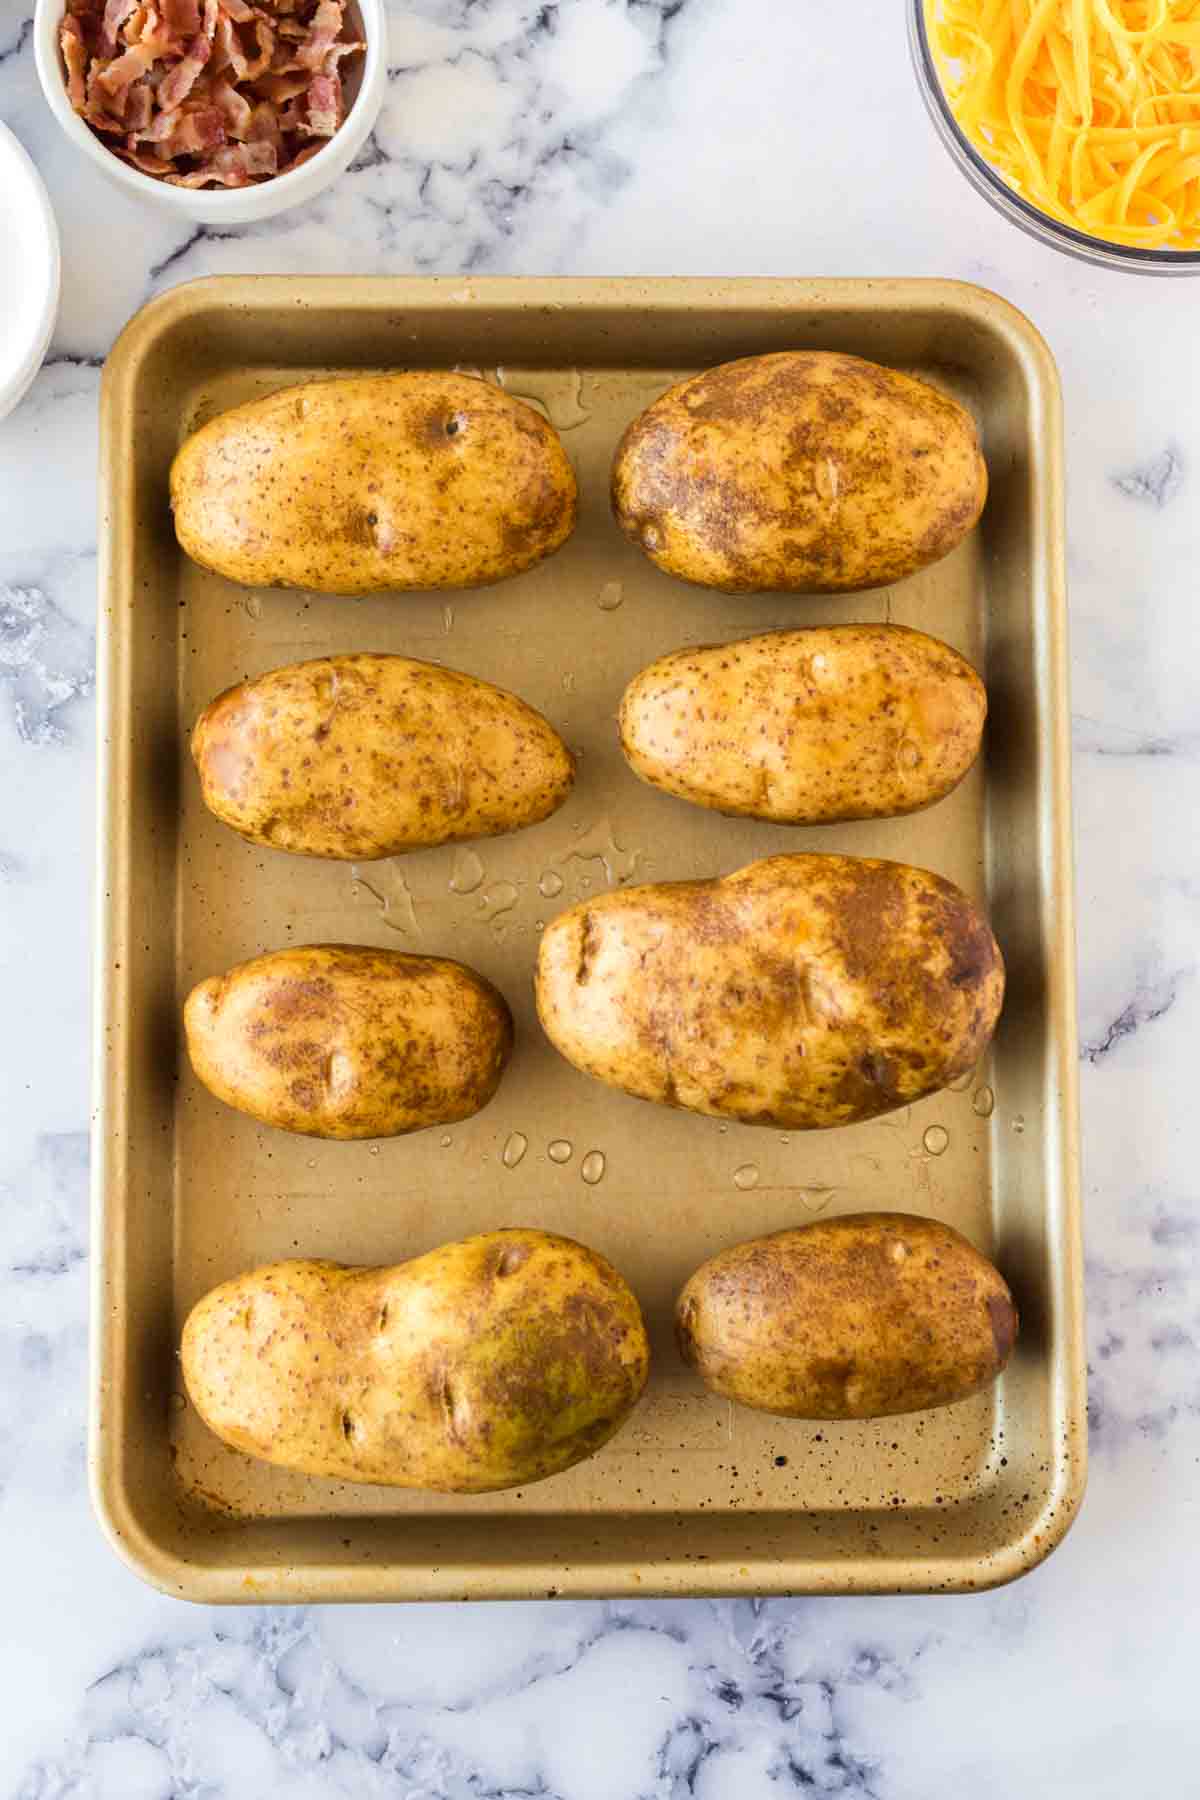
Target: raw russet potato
x,y
807,727
484,1364
343,1041
422,479
802,471
366,756
850,1318
801,992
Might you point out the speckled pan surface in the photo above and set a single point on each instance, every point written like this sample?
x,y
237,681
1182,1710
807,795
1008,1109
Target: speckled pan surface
x,y
692,1497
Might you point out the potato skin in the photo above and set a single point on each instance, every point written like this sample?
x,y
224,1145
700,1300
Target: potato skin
x,y
851,1318
415,480
343,1041
808,727
484,1364
801,992
366,756
801,472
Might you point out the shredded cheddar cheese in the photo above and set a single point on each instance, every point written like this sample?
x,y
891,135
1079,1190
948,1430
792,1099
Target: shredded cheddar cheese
x,y
1089,109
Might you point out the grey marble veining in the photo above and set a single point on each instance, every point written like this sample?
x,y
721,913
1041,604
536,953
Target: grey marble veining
x,y
628,136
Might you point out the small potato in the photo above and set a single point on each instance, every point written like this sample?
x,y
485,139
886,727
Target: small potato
x,y
360,757
423,479
801,992
341,1041
807,727
851,1318
484,1364
802,472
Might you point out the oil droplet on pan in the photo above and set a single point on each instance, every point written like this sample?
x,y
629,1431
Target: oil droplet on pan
x,y
746,1177
447,619
961,1083
177,1403
984,1103
467,872
936,1139
500,898
599,845
610,596
372,1149
391,893
592,1167
564,409
1018,1124
559,1151
515,1149
817,1197
447,1141
549,884
253,606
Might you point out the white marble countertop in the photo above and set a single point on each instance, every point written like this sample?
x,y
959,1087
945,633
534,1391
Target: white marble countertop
x,y
619,137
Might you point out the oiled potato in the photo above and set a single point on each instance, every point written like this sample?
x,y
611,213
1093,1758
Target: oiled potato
x,y
802,471
483,1364
368,756
415,480
850,1318
801,992
342,1041
807,727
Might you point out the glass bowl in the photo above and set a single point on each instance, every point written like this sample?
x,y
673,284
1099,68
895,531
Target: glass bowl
x,y
994,189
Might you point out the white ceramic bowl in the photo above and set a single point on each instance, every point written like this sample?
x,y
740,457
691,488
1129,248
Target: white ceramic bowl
x,y
29,256
229,206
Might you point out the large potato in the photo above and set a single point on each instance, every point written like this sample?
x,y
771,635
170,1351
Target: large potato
x,y
341,1041
483,1364
800,992
807,727
801,471
416,480
850,1318
367,756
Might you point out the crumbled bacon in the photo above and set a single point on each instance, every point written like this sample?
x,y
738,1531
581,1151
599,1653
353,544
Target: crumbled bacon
x,y
235,110
75,56
324,105
302,156
115,15
139,106
227,50
279,89
204,93
326,26
130,66
264,37
264,127
174,88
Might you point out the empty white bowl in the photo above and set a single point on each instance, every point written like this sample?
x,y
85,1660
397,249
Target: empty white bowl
x,y
29,254
229,206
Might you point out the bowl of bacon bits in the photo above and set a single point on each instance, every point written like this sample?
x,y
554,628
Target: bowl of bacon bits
x,y
223,110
